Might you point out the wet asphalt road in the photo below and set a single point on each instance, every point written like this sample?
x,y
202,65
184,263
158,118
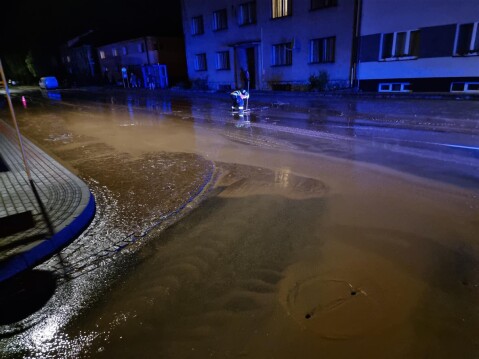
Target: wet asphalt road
x,y
312,226
437,139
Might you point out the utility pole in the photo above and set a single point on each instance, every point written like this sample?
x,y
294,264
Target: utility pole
x,y
12,112
22,150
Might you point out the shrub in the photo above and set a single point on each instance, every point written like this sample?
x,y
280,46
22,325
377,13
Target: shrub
x,y
200,84
318,82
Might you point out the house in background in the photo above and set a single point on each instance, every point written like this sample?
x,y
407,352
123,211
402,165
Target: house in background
x,y
423,46
80,61
281,43
99,58
151,59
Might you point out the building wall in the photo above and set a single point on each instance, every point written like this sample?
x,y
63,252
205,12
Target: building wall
x,y
139,52
81,64
299,28
391,15
435,64
171,51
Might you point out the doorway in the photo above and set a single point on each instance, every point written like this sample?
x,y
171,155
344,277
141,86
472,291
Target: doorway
x,y
245,59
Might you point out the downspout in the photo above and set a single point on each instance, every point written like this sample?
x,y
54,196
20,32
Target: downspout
x,y
147,51
262,60
356,44
184,21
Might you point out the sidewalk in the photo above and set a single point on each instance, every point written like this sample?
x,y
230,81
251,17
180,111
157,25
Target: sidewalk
x,y
35,226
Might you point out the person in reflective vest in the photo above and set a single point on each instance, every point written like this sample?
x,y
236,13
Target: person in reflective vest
x,y
237,98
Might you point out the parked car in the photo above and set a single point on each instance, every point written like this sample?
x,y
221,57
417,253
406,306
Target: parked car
x,y
48,82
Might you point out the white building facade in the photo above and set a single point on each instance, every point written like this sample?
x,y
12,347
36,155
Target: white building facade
x,y
280,43
419,45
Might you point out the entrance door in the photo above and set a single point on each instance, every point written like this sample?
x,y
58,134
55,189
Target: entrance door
x,y
245,59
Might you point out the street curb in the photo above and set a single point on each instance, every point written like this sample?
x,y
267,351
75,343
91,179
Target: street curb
x,y
49,246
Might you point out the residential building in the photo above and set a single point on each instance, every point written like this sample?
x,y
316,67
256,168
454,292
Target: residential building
x,y
280,43
149,58
79,59
101,58
422,46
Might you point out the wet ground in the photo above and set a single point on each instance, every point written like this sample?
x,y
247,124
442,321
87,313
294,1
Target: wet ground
x,y
311,228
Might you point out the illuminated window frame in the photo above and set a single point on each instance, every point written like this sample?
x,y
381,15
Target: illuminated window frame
x,y
102,54
281,8
114,52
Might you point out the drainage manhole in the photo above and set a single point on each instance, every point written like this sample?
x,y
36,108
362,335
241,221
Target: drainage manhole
x,y
332,308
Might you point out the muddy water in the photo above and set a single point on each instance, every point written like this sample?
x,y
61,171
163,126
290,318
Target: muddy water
x,y
289,254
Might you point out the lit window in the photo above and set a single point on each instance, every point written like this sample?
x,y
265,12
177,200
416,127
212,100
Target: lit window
x,y
400,44
321,4
282,55
200,62
68,59
114,52
197,27
223,60
467,39
220,20
141,47
281,8
102,55
247,13
124,50
322,50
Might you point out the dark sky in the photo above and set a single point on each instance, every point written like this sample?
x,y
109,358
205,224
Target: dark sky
x,y
46,24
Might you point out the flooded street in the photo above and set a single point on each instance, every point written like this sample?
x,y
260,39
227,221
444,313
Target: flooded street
x,y
315,228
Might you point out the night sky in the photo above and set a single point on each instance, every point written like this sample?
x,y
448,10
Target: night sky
x,y
46,24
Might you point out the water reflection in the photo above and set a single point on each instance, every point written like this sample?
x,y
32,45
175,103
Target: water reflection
x,y
24,295
52,95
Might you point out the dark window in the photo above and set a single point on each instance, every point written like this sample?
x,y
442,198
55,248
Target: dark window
x,y
457,86
197,27
320,4
414,45
220,20
400,44
399,49
387,46
282,55
467,39
200,62
223,60
322,50
247,13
